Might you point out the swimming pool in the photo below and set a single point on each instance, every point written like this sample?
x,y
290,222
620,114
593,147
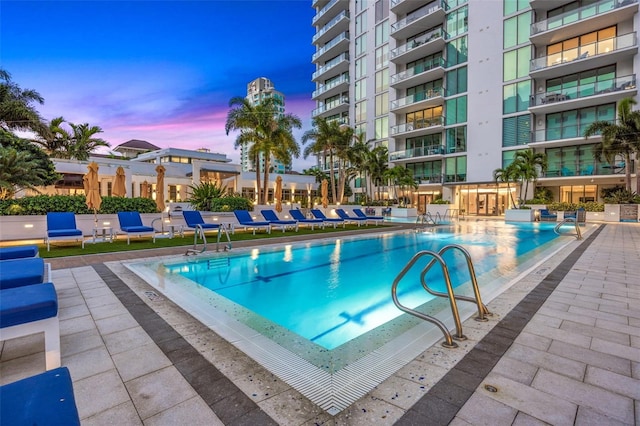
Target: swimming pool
x,y
308,311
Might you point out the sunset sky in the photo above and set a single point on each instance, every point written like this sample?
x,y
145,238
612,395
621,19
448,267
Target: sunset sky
x,y
160,71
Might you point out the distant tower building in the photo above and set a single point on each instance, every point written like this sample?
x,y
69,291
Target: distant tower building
x,y
259,89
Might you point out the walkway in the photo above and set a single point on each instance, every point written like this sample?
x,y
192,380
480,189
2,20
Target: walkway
x,y
563,348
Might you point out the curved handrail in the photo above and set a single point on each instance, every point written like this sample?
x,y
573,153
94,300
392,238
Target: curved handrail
x,y
569,220
482,308
199,230
448,343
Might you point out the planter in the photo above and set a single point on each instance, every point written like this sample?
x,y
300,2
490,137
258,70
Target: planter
x,y
519,215
409,212
621,213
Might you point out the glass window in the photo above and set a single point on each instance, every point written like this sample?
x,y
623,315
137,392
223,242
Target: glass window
x,y
360,89
516,63
361,23
457,81
382,10
573,123
456,110
516,97
382,56
382,127
382,104
456,169
457,21
456,139
382,80
361,67
361,45
382,33
516,130
361,111
457,51
516,30
508,157
513,6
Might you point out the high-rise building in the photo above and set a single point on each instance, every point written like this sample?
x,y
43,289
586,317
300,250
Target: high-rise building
x,y
258,90
455,88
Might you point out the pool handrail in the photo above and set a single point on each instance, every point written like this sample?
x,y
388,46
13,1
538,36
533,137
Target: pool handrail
x,y
568,220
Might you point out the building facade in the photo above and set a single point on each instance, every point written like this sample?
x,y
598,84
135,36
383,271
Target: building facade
x,y
258,90
454,89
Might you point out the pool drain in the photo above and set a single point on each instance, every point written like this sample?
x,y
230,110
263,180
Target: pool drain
x,y
491,388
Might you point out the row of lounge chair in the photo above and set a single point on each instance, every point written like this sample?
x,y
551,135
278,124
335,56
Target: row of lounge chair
x,y
29,305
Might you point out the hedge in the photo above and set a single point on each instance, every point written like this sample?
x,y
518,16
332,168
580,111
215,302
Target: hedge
x,y
42,204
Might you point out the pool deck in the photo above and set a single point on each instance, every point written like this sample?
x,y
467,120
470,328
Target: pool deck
x,y
562,347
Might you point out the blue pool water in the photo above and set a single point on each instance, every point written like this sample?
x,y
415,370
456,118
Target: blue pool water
x,y
334,291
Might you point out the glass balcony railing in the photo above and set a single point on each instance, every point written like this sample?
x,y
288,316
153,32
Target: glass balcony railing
x,y
342,15
417,42
582,13
559,133
428,179
601,47
584,168
335,82
324,10
334,62
418,124
417,152
396,78
327,107
584,90
417,97
332,43
412,17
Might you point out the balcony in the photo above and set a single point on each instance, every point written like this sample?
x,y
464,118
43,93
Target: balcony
x,y
427,44
336,66
584,95
427,16
334,27
324,15
428,98
333,88
593,17
332,108
584,168
582,58
419,127
416,75
559,136
331,49
413,153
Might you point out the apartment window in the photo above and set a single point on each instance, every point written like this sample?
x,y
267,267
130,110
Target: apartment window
x,y
361,67
513,6
109,188
361,5
455,169
361,23
382,10
457,51
382,33
382,56
426,63
508,157
173,192
517,29
591,44
382,104
516,63
361,111
573,123
577,160
360,128
360,89
424,142
452,4
578,193
425,91
457,81
515,97
583,84
456,139
426,170
456,110
333,101
457,22
516,130
382,127
361,45
382,80
425,118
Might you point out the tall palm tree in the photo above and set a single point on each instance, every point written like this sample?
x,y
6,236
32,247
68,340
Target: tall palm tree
x,y
620,138
18,170
84,142
55,140
17,106
327,137
358,158
508,174
530,165
377,165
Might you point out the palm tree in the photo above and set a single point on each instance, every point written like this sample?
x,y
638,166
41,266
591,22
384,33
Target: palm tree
x,y
530,164
377,165
621,138
327,137
358,158
55,140
19,170
17,109
511,173
83,142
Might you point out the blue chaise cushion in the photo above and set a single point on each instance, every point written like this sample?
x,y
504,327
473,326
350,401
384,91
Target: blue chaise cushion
x,y
21,272
18,252
26,304
64,233
44,399
137,228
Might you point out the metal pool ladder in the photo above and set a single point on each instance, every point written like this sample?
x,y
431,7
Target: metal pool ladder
x,y
200,231
569,220
437,258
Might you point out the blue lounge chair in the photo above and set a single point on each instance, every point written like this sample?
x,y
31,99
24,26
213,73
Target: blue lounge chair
x,y
299,216
194,220
18,252
353,219
21,272
317,213
271,217
131,224
62,226
44,399
546,216
29,310
374,219
246,221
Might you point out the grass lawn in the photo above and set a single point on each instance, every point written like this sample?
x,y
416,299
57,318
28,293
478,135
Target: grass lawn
x,y
64,248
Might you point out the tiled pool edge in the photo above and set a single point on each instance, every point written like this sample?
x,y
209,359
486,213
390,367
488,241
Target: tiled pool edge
x,y
227,401
442,402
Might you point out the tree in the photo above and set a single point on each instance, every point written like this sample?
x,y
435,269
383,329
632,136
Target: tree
x,y
78,143
56,140
17,106
378,163
621,138
507,175
84,142
530,164
358,157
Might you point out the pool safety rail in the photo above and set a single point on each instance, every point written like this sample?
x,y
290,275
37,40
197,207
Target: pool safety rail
x,y
199,231
438,219
568,220
483,312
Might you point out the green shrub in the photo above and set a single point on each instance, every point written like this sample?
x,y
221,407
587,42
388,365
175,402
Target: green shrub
x,y
42,204
562,206
229,204
440,201
203,196
621,196
590,206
